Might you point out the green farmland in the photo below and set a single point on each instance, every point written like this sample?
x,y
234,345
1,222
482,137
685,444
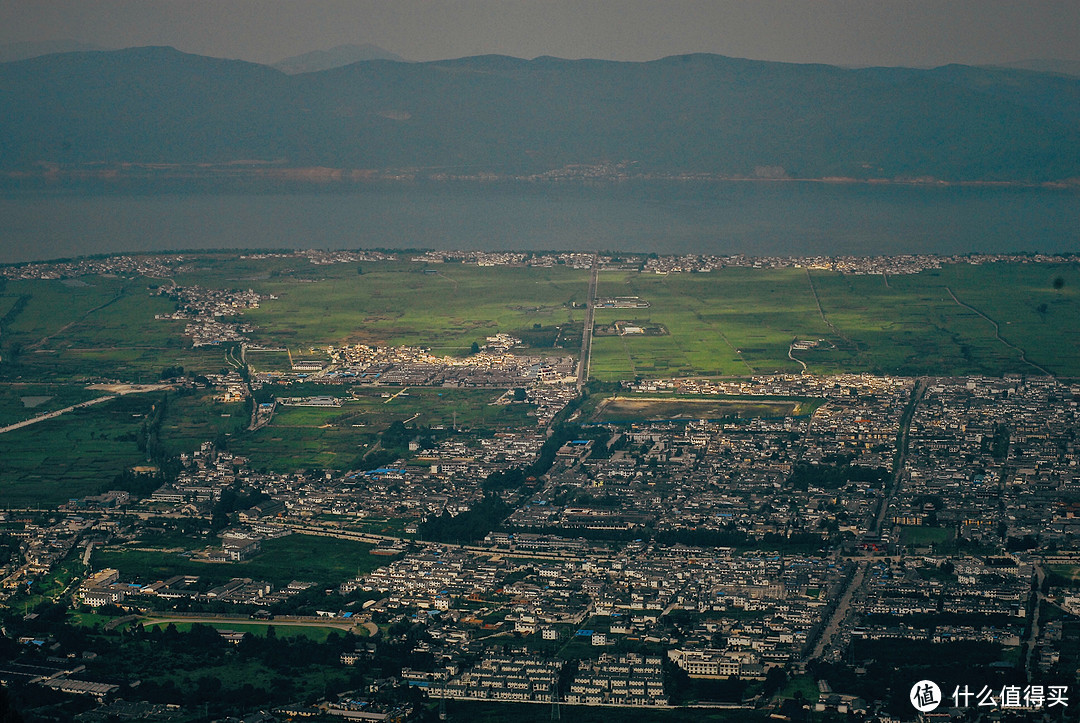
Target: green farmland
x,y
335,437
445,307
73,455
742,321
58,336
736,321
21,401
101,327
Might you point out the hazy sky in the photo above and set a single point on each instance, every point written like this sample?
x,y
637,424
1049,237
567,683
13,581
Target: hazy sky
x,y
843,32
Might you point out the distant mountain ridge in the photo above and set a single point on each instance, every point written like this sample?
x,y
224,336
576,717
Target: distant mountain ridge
x,y
33,49
1061,67
691,114
335,57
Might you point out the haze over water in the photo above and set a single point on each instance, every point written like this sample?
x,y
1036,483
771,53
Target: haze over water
x,y
662,217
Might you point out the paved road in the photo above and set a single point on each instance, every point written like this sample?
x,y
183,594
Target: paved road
x,y
841,611
55,414
1033,633
118,389
857,579
586,332
792,357
901,452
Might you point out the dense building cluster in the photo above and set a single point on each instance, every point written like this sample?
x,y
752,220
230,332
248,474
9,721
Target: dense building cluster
x,y
211,314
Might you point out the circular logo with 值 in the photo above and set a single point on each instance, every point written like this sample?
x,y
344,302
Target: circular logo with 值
x,y
925,696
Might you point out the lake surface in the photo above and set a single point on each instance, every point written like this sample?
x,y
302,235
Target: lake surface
x,y
661,217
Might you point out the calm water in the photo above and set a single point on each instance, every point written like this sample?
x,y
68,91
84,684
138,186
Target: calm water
x,y
723,218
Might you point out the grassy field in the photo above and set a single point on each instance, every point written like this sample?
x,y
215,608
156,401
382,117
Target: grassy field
x,y
333,437
103,327
803,686
432,407
447,308
76,454
322,560
919,535
739,321
1065,574
196,418
289,448
281,630
735,321
913,325
19,401
87,619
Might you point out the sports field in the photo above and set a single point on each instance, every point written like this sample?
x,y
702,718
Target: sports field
x,y
646,408
322,560
281,630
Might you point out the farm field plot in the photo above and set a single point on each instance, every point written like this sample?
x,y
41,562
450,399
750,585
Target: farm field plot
x,y
731,322
741,321
735,321
76,454
101,327
1032,312
433,407
50,305
196,418
335,437
7,303
268,361
446,307
288,448
913,325
19,401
